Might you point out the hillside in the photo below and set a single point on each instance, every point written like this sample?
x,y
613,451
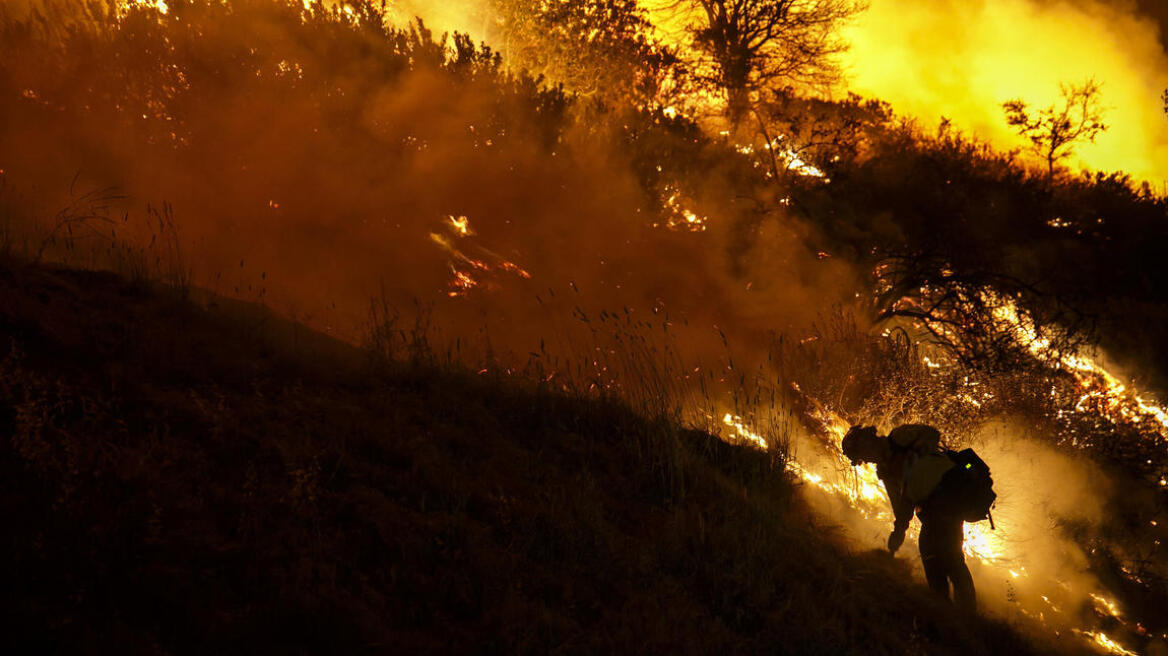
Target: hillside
x,y
202,477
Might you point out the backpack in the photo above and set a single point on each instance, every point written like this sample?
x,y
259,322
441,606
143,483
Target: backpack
x,y
975,483
923,474
918,438
924,464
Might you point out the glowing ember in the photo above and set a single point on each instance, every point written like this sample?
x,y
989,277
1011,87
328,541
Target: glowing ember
x,y
679,217
461,284
516,269
791,159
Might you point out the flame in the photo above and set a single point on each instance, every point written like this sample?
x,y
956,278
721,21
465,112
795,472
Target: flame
x,y
1103,392
341,5
860,486
742,432
461,226
865,491
962,60
159,5
796,163
1107,605
1107,643
985,544
462,265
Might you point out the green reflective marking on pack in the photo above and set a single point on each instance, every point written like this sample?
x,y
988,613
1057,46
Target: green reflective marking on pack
x,y
969,465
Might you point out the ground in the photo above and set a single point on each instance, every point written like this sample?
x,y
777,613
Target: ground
x,y
187,474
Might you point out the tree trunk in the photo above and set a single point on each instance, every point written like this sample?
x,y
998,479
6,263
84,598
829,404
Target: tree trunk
x,y
737,109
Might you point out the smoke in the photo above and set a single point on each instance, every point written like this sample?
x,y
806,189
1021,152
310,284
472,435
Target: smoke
x,y
314,179
471,17
1044,496
1037,562
962,60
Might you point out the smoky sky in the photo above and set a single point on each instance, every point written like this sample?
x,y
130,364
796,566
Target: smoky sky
x,y
1157,10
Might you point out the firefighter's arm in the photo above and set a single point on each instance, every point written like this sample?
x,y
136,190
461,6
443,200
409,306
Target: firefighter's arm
x,y
902,508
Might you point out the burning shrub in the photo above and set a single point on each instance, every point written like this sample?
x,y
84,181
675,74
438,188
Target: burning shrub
x,y
983,320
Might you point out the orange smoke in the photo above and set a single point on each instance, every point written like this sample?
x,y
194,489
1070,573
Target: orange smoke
x,y
961,60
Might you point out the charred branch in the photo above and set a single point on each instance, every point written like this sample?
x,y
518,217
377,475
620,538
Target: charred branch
x,y
985,320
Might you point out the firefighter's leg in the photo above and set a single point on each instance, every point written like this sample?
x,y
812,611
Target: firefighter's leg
x,y
956,568
932,558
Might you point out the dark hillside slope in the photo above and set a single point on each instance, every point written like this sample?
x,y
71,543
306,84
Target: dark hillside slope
x,y
203,478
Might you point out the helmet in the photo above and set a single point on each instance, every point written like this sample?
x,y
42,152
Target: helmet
x,y
855,437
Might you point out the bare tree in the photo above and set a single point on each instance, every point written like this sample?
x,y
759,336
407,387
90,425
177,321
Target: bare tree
x,y
1055,131
750,45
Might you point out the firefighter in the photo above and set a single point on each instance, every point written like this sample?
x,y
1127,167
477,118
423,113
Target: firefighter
x,y
914,474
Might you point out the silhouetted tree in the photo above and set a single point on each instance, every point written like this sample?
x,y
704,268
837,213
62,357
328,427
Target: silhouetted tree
x,y
1054,131
754,44
984,319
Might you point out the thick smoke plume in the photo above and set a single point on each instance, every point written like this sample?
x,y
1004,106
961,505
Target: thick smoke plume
x,y
962,60
334,176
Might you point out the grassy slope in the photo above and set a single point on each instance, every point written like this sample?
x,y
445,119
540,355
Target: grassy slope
x,y
179,477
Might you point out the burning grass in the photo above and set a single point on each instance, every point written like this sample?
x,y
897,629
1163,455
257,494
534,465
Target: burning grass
x,y
1046,559
1063,522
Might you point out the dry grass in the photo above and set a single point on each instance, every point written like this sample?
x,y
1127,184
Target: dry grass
x,y
188,479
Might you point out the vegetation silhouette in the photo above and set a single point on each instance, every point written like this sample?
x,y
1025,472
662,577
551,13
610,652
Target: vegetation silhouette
x,y
1054,131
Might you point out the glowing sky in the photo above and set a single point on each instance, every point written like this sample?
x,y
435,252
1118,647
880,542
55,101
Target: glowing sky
x,y
961,59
